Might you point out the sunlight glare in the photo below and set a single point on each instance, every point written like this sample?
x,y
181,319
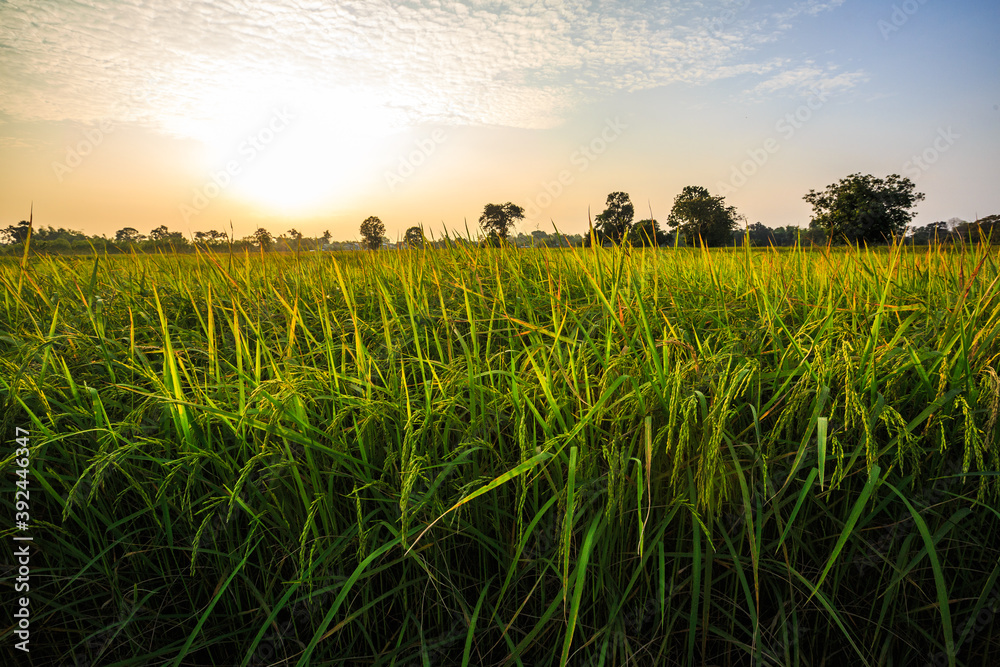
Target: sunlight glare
x,y
297,157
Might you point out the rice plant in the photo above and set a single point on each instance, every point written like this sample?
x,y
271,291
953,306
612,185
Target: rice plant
x,y
496,457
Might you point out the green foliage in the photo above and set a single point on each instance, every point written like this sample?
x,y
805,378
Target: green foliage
x,y
702,218
470,457
498,219
16,233
761,235
983,230
372,233
935,232
646,233
615,222
164,235
131,235
211,237
540,239
260,238
414,238
492,240
863,208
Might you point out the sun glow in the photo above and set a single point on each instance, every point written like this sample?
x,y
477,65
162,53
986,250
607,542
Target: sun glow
x,y
298,157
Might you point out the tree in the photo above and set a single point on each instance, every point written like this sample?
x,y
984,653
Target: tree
x,y
326,237
214,236
862,208
980,230
164,236
932,233
498,219
128,235
414,237
760,234
262,239
18,234
211,237
372,231
702,218
296,236
647,233
615,222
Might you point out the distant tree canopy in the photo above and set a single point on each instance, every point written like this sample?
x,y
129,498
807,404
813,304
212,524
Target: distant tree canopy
x,y
615,223
372,233
863,208
759,234
984,229
61,234
498,219
540,239
212,236
164,235
702,218
935,231
261,238
646,233
414,237
128,235
16,234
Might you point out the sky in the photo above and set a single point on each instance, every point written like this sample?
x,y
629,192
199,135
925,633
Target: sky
x,y
315,115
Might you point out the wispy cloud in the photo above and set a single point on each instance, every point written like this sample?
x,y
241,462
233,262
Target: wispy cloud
x,y
809,78
785,18
14,142
185,66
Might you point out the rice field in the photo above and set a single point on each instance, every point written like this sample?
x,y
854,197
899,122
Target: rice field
x,y
472,456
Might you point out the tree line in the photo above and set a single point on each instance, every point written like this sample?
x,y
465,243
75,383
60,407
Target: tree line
x,y
859,208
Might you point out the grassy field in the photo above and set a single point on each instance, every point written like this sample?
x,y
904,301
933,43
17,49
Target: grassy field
x,y
491,457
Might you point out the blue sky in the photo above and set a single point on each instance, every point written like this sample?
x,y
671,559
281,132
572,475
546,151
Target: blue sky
x,y
316,115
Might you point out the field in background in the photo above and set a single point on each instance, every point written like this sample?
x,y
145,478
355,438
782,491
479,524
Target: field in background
x,y
484,457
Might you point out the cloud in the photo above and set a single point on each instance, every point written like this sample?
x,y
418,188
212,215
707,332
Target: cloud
x,y
808,8
808,78
16,142
187,67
